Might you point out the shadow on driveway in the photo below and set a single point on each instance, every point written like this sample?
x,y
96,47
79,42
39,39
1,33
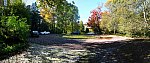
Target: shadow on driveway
x,y
132,51
54,48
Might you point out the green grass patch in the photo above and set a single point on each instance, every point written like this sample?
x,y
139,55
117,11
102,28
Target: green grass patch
x,y
79,36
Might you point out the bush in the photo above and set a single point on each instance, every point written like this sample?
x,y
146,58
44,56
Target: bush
x,y
14,30
7,51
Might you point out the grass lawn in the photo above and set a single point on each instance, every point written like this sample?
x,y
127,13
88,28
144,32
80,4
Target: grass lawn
x,y
79,36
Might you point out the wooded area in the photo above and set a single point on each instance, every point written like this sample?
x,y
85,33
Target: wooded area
x,y
61,16
127,17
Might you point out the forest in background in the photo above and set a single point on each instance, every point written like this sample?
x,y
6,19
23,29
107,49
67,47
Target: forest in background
x,y
127,17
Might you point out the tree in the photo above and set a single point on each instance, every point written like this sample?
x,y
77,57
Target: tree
x,y
14,23
105,22
14,27
35,20
94,19
59,14
81,26
129,17
144,5
17,9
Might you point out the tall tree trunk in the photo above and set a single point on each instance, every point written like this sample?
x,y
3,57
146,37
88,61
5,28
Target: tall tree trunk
x,y
114,30
144,15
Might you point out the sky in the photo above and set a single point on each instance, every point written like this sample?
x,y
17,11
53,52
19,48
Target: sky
x,y
84,6
29,2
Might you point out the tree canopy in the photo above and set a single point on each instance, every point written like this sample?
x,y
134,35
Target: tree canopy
x,y
60,15
128,17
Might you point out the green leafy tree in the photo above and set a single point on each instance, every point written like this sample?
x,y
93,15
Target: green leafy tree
x,y
104,23
60,15
35,21
81,26
14,22
17,9
129,17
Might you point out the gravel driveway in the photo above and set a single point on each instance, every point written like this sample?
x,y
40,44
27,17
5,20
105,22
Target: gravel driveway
x,y
56,49
50,49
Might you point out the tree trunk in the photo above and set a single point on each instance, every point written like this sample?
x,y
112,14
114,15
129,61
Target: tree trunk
x,y
144,15
115,28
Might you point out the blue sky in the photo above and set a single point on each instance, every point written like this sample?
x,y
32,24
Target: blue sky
x,y
84,6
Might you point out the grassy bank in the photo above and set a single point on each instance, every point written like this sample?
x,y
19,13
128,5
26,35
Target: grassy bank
x,y
79,36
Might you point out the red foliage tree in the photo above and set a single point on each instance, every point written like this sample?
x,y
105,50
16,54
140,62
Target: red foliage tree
x,y
94,19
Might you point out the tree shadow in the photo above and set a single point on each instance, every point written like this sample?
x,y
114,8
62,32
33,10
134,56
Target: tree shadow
x,y
53,39
48,49
132,51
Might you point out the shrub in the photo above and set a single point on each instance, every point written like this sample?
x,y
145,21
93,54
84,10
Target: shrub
x,y
14,30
